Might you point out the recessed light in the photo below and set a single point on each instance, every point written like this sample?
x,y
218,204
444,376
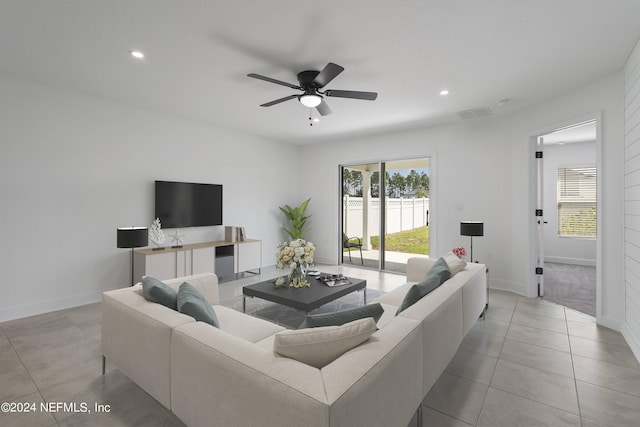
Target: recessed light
x,y
316,120
444,92
136,54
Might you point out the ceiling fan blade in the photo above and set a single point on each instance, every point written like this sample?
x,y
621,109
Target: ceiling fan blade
x,y
323,109
328,73
278,101
369,96
269,79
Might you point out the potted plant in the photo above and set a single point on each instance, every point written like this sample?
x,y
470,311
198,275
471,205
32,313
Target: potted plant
x,y
297,218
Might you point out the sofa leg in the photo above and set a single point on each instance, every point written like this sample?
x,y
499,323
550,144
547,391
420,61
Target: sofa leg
x,y
104,364
419,415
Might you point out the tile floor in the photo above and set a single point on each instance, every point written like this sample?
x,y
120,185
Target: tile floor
x,y
530,363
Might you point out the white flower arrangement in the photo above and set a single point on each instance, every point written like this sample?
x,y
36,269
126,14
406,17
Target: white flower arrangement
x,y
297,255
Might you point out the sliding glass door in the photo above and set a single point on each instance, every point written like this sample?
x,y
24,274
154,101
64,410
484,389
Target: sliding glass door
x,y
385,213
360,214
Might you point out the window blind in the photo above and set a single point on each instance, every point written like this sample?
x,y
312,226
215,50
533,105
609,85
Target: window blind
x,y
577,202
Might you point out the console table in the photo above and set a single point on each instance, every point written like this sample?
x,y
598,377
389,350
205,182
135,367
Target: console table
x,y
229,258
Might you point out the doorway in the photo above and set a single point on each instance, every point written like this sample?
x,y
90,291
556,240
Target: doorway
x,y
385,213
566,216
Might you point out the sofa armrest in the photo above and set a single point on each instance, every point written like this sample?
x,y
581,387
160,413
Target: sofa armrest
x,y
218,379
136,337
474,294
378,383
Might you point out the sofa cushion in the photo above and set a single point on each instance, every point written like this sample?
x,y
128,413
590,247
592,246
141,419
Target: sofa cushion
x,y
241,325
395,297
320,346
454,262
436,275
191,302
344,316
156,291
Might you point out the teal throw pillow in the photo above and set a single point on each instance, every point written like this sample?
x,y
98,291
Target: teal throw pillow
x,y
192,303
339,318
156,291
437,275
440,269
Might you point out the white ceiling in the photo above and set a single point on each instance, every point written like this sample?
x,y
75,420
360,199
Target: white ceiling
x,y
198,53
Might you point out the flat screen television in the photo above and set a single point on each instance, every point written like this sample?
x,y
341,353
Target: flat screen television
x,y
186,204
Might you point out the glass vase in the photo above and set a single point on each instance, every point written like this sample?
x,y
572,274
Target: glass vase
x,y
298,277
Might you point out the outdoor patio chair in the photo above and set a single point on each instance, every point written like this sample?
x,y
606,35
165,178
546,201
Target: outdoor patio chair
x,y
348,243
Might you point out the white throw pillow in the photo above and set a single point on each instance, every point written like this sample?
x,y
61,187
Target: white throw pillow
x,y
455,264
320,346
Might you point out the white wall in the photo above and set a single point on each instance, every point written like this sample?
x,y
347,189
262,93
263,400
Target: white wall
x,y
74,168
472,177
631,329
485,166
565,249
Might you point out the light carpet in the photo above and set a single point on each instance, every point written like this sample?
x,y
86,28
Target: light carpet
x,y
573,286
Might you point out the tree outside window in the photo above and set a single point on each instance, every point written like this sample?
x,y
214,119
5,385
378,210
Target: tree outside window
x,y
577,202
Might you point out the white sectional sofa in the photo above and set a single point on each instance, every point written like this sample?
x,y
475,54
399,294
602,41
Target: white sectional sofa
x,y
230,376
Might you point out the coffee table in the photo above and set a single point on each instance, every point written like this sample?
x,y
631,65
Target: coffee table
x,y
303,299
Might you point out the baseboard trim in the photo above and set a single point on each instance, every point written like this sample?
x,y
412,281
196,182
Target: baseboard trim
x,y
505,285
610,323
572,261
632,340
327,261
41,307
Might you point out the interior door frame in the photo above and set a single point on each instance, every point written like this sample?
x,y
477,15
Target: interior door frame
x,y
540,218
532,285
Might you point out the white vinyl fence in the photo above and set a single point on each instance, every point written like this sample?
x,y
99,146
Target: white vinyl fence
x,y
402,215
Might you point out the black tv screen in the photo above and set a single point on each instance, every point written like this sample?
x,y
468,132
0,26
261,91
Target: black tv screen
x,y
185,204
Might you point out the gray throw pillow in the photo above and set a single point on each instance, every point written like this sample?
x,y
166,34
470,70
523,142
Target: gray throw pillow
x,y
192,303
339,318
437,275
441,269
156,291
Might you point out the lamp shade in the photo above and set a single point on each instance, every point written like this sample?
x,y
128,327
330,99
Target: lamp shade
x,y
133,237
310,100
472,228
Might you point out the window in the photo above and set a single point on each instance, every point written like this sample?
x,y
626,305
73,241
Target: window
x,y
577,202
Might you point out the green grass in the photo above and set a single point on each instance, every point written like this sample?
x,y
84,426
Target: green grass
x,y
414,241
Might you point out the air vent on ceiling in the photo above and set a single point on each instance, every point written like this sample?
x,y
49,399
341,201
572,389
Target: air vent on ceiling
x,y
475,113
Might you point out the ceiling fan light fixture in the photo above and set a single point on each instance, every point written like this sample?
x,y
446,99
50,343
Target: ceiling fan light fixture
x,y
310,100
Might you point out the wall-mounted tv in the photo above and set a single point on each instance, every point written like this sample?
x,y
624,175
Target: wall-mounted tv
x,y
186,204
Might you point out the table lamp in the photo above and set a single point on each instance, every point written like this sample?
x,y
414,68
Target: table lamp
x,y
132,237
471,228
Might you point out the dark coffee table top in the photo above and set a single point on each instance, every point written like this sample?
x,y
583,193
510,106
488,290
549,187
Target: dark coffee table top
x,y
305,299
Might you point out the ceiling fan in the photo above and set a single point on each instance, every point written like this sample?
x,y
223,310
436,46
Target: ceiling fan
x,y
310,82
